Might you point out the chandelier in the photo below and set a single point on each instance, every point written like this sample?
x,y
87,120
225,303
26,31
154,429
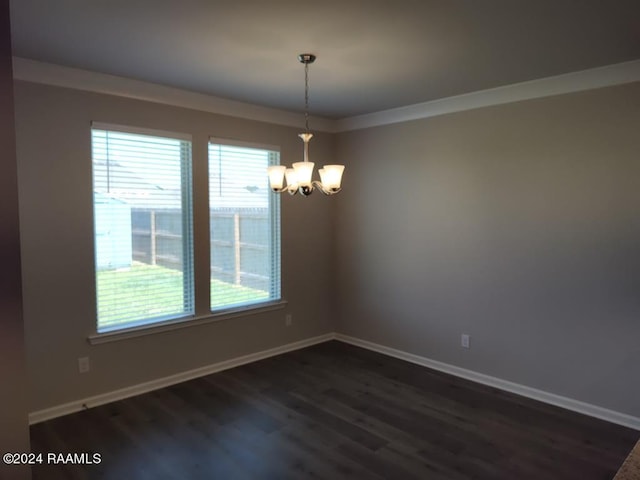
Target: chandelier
x,y
299,178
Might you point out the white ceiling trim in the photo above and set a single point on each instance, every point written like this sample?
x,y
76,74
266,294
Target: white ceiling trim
x,y
606,76
50,74
57,75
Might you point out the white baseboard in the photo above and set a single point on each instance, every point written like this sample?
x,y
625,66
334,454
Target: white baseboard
x,y
529,392
76,406
533,393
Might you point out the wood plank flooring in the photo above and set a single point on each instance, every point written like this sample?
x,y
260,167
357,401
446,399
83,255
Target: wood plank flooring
x,y
332,411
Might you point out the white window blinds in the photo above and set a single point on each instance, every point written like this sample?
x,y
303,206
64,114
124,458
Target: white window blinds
x,y
143,227
244,226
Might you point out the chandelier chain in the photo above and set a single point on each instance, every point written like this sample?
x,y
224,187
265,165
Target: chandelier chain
x,y
306,96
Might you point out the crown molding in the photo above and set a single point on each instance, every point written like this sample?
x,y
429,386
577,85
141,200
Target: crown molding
x,y
50,74
606,76
59,76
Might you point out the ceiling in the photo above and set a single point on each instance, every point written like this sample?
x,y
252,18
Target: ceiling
x,y
372,54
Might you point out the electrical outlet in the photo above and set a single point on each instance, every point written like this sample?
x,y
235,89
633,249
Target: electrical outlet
x,y
464,340
288,319
83,364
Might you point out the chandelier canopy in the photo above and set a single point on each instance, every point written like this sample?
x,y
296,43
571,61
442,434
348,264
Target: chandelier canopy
x,y
300,177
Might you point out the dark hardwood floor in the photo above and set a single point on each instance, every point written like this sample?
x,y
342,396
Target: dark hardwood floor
x,y
332,411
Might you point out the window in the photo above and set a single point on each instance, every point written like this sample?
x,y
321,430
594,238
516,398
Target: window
x,y
244,226
142,226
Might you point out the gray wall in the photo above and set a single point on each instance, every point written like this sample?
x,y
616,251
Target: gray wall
x,y
54,161
517,224
14,429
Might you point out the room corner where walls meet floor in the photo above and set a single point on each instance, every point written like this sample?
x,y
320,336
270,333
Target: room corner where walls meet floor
x,y
523,390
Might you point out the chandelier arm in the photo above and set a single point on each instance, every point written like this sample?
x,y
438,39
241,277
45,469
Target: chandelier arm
x,y
290,191
324,190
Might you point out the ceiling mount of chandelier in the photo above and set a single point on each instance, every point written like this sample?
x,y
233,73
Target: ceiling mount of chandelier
x,y
300,177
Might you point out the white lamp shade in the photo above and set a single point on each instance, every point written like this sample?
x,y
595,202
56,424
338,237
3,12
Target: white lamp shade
x,y
304,172
292,179
276,176
331,176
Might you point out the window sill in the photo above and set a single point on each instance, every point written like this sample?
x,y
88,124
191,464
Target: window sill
x,y
152,329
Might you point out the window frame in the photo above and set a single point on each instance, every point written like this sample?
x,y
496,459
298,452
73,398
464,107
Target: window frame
x,y
187,233
275,230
